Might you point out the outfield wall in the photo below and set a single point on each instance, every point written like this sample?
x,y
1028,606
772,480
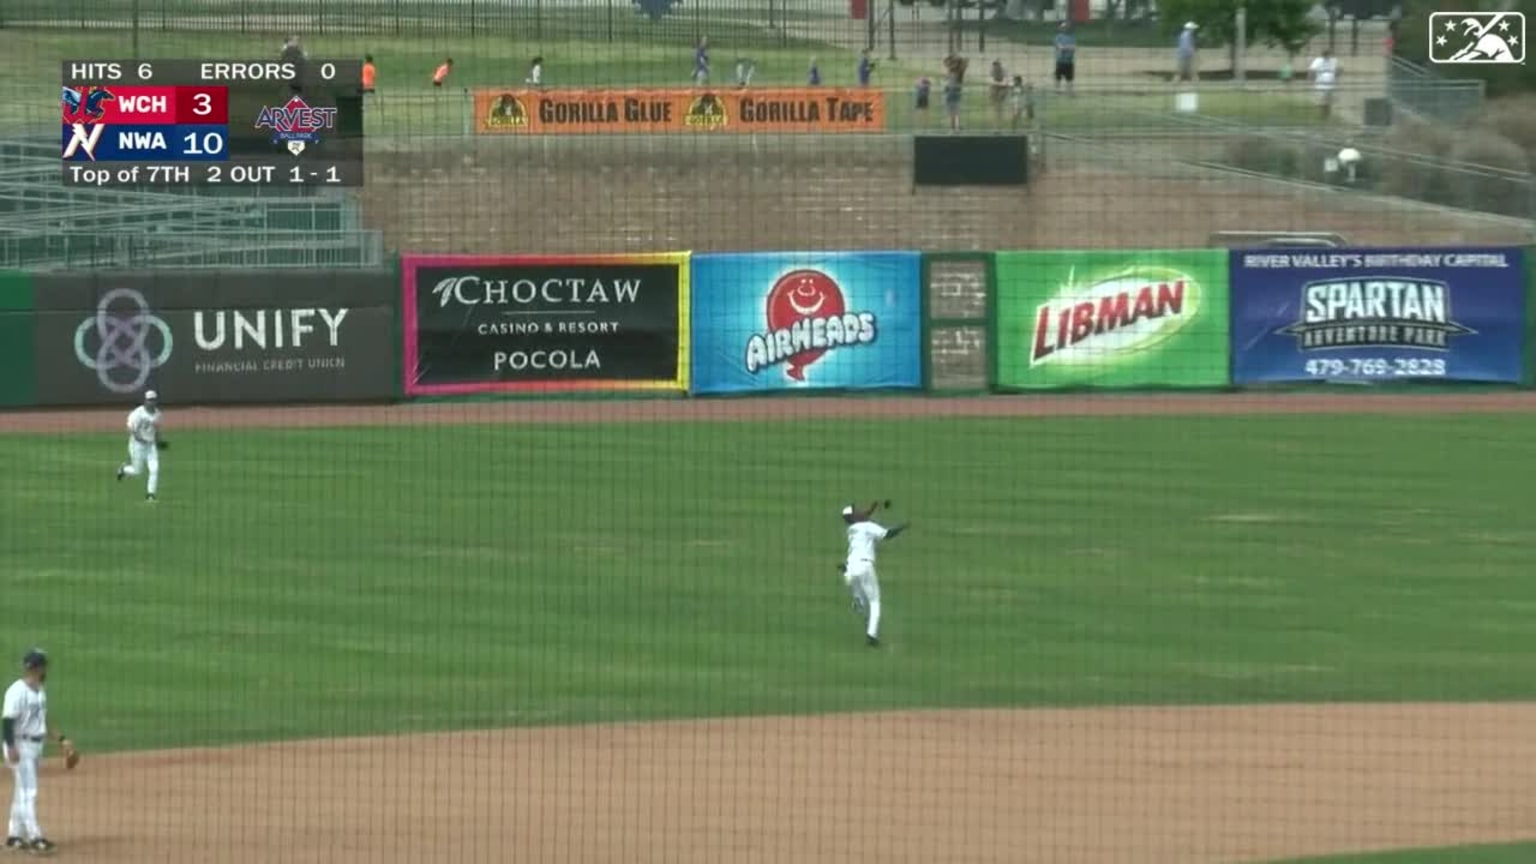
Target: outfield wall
x,y
677,323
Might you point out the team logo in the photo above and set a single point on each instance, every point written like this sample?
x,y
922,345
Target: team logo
x,y
1476,37
706,112
807,316
1377,312
295,124
123,342
507,113
84,108
1124,313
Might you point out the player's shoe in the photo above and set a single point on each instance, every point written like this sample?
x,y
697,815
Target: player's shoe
x,y
872,641
41,846
15,844
150,499
120,470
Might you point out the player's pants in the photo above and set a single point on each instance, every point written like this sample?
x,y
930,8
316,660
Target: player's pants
x,y
865,585
140,455
24,797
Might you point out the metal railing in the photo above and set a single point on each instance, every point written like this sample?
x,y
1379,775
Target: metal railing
x,y
1425,94
256,249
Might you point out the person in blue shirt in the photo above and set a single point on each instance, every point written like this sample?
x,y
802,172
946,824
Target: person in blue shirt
x,y
701,62
1066,56
1186,51
866,67
813,77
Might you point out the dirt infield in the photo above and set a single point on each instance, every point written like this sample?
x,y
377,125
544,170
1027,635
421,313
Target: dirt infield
x,y
1134,785
1137,785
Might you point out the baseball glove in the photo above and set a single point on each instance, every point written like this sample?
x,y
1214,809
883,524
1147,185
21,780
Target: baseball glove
x,y
162,445
71,757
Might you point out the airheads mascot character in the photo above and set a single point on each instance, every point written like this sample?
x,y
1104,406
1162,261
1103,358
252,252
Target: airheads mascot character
x,y
807,317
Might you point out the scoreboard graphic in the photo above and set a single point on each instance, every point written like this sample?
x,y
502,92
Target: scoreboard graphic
x,y
193,122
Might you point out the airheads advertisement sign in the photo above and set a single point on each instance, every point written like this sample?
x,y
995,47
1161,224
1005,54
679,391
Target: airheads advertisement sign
x,y
1372,315
1111,319
806,321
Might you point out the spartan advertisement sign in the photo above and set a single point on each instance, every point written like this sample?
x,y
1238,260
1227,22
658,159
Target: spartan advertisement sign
x,y
1372,315
204,337
518,323
1111,319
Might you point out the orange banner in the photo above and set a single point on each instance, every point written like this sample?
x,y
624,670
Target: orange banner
x,y
582,112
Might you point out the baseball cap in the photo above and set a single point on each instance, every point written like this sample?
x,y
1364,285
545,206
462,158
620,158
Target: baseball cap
x,y
1190,25
150,394
848,510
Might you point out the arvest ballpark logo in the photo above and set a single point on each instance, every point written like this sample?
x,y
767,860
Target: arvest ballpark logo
x,y
1377,312
124,342
295,124
1124,313
807,316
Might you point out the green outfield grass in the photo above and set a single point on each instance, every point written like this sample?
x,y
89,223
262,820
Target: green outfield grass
x,y
337,582
1514,853
29,67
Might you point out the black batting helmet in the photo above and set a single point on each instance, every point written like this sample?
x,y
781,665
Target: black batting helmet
x,y
34,659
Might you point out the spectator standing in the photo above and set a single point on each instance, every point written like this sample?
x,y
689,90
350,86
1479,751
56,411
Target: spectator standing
x,y
1325,78
701,62
293,52
370,76
536,71
746,67
1022,100
813,75
866,67
920,99
440,77
1186,52
997,92
952,87
1066,57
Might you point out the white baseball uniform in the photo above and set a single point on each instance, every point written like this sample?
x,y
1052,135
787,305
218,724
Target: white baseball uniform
x,y
859,571
143,432
28,710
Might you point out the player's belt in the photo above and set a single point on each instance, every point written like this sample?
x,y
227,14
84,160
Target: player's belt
x,y
35,739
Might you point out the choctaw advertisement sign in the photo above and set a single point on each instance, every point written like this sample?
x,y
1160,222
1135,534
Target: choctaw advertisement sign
x,y
478,324
818,110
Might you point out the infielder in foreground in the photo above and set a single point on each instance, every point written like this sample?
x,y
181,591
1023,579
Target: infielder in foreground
x,y
24,726
144,444
859,570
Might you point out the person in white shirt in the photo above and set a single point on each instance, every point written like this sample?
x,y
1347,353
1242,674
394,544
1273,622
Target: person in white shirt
x,y
1325,77
144,444
24,725
864,535
536,71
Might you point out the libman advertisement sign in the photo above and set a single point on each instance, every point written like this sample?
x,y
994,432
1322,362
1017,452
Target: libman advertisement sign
x,y
1111,319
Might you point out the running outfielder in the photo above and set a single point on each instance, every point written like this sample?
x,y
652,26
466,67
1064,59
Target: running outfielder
x,y
144,444
25,728
859,570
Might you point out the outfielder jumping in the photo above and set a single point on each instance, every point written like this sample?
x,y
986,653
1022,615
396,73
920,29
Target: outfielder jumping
x,y
144,444
859,570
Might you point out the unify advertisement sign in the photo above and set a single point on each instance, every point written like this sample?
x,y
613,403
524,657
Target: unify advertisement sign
x,y
807,320
579,112
1111,319
477,324
1378,315
214,336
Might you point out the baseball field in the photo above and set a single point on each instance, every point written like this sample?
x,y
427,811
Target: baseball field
x,y
1154,629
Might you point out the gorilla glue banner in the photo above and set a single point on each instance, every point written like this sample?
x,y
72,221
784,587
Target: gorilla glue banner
x,y
775,321
484,324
